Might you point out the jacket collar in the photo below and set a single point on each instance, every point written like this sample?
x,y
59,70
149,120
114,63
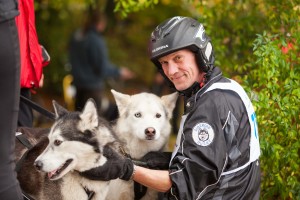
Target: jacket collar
x,y
195,90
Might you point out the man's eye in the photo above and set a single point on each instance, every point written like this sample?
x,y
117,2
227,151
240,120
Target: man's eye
x,y
178,58
163,62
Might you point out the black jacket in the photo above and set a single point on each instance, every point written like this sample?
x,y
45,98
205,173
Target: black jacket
x,y
90,60
212,157
8,9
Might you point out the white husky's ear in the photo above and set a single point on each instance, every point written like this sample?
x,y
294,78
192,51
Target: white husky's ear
x,y
122,101
89,114
59,110
170,101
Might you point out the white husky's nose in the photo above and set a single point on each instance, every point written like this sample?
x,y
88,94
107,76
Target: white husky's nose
x,y
150,133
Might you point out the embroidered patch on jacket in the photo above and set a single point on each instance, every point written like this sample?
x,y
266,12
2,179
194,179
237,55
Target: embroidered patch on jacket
x,y
203,134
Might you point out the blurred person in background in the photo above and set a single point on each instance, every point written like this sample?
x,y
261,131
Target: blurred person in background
x,y
91,66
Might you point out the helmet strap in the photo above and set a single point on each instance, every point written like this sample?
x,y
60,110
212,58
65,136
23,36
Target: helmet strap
x,y
191,90
200,61
203,81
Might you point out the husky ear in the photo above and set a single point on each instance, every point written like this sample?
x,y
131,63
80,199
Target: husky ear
x,y
170,101
89,114
122,101
59,110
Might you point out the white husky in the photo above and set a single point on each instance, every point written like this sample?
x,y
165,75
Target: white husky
x,y
144,126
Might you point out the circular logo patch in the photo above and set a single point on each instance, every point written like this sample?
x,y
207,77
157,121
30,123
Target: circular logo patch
x,y
203,134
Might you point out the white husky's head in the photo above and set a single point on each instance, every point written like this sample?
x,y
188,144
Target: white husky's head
x,y
144,116
74,142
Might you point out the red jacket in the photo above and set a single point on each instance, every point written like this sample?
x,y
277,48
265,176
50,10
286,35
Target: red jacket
x,y
30,50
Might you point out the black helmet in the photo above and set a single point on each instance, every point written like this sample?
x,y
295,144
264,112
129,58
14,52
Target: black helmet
x,y
181,33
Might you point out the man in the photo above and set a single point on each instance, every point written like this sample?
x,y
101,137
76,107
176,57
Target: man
x,y
217,148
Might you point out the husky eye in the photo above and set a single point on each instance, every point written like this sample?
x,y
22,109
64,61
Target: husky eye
x,y
138,115
57,142
158,115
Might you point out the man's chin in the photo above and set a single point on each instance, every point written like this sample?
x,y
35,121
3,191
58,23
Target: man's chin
x,y
180,87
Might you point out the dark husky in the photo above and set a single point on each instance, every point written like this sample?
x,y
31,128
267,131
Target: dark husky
x,y
77,142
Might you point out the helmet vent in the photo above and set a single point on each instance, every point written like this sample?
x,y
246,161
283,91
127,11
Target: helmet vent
x,y
165,35
170,25
208,50
193,25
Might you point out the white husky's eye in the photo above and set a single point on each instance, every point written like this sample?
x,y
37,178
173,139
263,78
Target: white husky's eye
x,y
138,115
57,142
158,115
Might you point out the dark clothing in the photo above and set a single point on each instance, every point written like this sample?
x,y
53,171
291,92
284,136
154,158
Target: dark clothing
x,y
8,9
90,68
89,60
109,111
9,103
25,118
213,157
82,95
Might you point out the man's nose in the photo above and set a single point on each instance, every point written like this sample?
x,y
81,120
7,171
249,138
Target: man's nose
x,y
173,68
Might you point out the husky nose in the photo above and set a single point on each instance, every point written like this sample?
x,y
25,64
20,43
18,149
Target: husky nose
x,y
150,132
38,164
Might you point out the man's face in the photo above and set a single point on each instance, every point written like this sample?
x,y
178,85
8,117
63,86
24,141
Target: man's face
x,y
181,68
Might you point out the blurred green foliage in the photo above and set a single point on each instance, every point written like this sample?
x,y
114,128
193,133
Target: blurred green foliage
x,y
256,43
275,86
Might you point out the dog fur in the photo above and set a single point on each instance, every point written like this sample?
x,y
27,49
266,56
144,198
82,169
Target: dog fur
x,y
74,144
144,126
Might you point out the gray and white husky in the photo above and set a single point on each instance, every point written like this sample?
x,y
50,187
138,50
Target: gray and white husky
x,y
75,143
143,125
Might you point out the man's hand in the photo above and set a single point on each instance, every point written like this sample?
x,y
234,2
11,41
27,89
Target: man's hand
x,y
115,167
157,160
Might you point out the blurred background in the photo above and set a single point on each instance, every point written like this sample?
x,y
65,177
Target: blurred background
x,y
256,43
